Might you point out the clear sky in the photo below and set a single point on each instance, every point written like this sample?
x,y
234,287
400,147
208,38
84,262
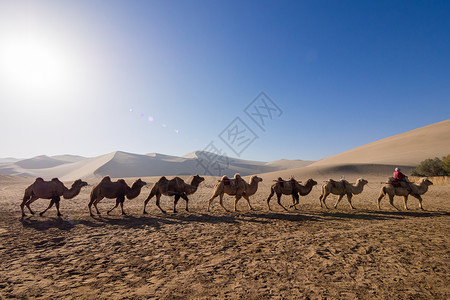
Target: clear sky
x,y
93,77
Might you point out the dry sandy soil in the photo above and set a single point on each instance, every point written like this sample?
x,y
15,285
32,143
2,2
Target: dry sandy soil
x,y
310,253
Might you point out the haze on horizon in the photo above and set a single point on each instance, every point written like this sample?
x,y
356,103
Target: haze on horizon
x,y
93,77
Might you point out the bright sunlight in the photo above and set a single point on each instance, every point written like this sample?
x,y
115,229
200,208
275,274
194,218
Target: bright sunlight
x,y
34,66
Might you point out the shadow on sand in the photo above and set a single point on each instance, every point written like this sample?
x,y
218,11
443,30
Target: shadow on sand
x,y
67,222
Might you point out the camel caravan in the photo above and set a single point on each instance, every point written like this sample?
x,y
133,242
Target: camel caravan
x,y
236,186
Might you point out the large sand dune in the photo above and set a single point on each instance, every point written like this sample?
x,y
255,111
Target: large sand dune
x,y
122,164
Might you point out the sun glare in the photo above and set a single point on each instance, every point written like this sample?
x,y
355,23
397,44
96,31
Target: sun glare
x,y
34,66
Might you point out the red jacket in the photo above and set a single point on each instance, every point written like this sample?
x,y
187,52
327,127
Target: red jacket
x,y
399,175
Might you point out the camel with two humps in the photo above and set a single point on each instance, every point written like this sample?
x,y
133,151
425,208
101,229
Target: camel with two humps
x,y
341,188
290,187
118,190
237,187
174,187
415,190
53,190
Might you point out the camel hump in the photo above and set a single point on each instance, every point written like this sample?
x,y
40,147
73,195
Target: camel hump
x,y
106,179
224,178
237,176
40,179
121,181
55,179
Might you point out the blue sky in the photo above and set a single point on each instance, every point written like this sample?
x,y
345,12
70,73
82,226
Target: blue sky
x,y
92,77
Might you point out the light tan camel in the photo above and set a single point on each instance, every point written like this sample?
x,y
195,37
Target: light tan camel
x,y
250,189
174,187
118,190
415,191
235,187
53,190
341,188
290,187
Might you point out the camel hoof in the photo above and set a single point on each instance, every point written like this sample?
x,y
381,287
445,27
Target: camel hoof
x,y
124,214
32,212
59,215
41,214
145,213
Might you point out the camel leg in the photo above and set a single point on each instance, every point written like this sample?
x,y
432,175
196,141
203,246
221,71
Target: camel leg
x,y
323,200
211,200
122,200
381,196
117,204
175,201
55,200
248,201
150,196
279,201
320,200
91,201
221,202
236,199
391,201
27,203
270,196
158,198
295,200
418,198
349,198
338,200
22,205
405,200
96,201
184,196
57,206
52,201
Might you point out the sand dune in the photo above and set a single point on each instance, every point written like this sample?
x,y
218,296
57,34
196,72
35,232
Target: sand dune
x,y
122,164
374,160
407,149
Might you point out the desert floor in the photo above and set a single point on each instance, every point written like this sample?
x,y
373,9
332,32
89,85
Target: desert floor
x,y
310,253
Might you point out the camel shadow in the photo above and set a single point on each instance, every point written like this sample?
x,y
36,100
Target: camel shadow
x,y
126,221
410,213
47,223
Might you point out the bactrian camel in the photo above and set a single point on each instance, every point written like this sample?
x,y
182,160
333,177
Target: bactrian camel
x,y
415,191
235,187
118,189
53,190
290,187
174,187
341,188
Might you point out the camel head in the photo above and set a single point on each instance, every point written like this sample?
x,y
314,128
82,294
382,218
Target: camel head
x,y
197,178
79,183
138,183
426,181
311,182
255,178
362,181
